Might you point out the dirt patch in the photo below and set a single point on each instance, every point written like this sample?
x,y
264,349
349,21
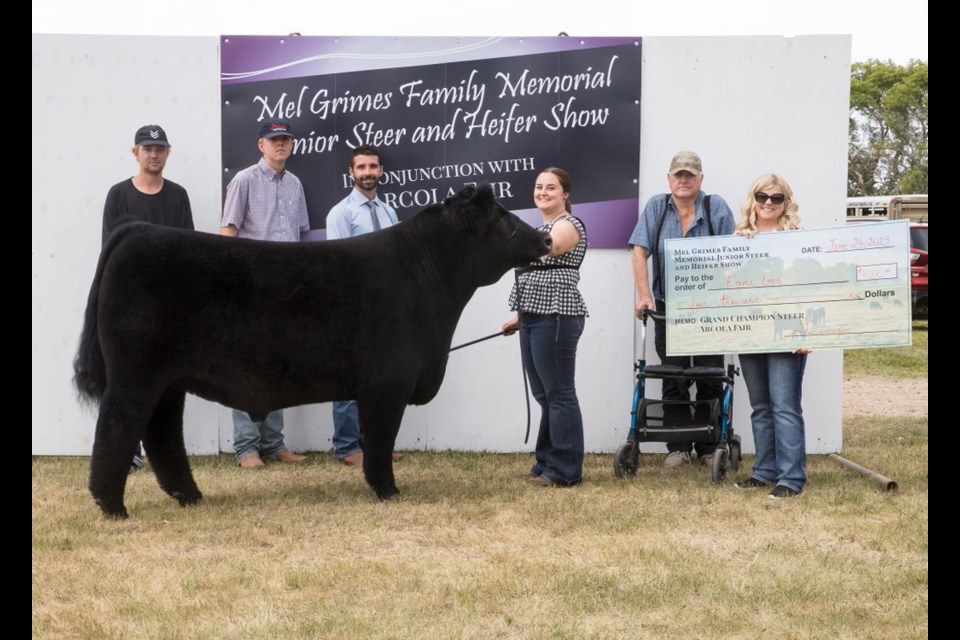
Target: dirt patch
x,y
881,396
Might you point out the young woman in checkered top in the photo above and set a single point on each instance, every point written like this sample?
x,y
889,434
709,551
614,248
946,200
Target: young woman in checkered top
x,y
550,318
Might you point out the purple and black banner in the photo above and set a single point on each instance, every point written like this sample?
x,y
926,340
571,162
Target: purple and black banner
x,y
445,112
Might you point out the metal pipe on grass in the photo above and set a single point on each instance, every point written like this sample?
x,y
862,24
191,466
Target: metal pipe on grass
x,y
883,481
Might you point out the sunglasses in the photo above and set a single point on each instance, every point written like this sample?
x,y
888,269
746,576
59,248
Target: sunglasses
x,y
776,198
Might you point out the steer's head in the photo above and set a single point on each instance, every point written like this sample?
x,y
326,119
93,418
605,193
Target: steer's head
x,y
496,240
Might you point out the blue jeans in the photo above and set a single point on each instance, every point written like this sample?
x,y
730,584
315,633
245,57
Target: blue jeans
x,y
346,429
680,390
548,346
774,383
263,438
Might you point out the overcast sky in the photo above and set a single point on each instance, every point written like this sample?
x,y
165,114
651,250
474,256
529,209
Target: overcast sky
x,y
883,29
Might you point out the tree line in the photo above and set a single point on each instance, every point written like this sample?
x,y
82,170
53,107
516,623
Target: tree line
x,y
888,128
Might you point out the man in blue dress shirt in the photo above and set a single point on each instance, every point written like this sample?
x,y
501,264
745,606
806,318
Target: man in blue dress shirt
x,y
360,212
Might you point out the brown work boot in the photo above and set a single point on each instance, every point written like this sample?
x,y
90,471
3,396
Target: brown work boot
x,y
251,461
352,460
541,481
356,459
288,456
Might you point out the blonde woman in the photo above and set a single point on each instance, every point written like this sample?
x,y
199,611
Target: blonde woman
x,y
774,380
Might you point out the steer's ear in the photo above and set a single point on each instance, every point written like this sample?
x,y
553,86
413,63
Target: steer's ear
x,y
480,197
484,194
481,194
465,194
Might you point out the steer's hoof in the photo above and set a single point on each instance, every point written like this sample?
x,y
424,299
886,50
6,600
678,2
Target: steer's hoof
x,y
385,493
187,499
113,512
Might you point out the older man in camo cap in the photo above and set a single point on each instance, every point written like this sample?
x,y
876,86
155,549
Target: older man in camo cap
x,y
685,212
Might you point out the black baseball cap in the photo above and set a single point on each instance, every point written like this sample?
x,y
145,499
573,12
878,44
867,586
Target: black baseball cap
x,y
151,134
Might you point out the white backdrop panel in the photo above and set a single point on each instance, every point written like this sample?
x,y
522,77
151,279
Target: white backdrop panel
x,y
748,105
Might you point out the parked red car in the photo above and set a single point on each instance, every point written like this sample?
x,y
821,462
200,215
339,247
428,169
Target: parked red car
x,y
918,268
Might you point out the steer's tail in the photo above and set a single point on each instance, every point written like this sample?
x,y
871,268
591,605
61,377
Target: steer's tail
x,y
89,370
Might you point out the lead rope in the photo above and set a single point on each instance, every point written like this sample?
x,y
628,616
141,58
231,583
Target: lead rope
x,y
467,344
523,367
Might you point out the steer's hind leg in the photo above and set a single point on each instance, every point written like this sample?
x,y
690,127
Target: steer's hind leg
x,y
120,427
380,422
166,451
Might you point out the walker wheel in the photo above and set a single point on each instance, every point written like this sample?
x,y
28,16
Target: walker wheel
x,y
622,462
720,457
735,455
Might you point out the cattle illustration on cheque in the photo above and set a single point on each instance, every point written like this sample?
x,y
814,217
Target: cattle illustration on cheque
x,y
261,326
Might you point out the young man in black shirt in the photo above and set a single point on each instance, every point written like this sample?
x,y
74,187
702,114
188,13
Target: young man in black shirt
x,y
148,196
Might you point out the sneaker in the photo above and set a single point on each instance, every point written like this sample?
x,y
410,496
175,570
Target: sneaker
x,y
137,464
751,483
706,459
676,459
782,491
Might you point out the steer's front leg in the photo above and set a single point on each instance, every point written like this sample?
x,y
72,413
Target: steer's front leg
x,y
380,422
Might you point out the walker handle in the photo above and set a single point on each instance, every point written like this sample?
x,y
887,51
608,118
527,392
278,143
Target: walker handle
x,y
645,313
648,312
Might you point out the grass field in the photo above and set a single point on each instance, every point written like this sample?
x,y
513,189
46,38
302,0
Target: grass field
x,y
470,552
903,362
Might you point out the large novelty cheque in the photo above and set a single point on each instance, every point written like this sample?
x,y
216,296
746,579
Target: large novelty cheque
x,y
835,288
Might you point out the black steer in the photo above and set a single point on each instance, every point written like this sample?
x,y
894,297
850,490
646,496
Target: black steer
x,y
261,326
